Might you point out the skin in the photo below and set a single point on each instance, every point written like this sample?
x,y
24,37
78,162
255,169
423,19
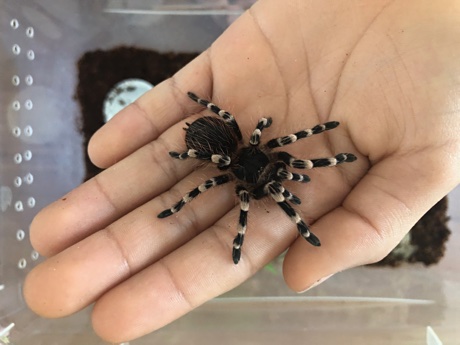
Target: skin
x,y
387,70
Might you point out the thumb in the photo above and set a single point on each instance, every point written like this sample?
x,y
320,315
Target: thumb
x,y
379,211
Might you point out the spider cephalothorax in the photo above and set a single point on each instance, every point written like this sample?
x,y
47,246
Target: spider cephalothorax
x,y
258,171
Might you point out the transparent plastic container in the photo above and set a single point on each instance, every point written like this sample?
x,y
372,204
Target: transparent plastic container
x,y
41,158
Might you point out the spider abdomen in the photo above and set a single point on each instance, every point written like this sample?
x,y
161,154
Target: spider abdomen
x,y
211,134
250,165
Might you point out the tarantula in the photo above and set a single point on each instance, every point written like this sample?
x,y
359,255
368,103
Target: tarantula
x,y
258,170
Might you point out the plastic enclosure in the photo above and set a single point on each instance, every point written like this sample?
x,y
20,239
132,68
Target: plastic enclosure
x,y
41,158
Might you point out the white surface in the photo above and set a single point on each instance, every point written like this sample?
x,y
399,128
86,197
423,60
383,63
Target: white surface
x,y
123,94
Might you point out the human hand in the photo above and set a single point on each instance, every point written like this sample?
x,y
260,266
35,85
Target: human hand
x,y
388,71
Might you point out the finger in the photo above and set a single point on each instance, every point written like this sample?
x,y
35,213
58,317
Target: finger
x,y
151,114
376,215
196,272
93,265
111,194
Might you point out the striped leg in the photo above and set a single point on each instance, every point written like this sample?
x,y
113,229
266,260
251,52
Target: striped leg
x,y
315,163
212,182
243,195
220,160
293,199
263,123
276,191
285,174
216,110
292,138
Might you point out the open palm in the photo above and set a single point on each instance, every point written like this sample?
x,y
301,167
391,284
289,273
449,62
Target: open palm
x,y
387,70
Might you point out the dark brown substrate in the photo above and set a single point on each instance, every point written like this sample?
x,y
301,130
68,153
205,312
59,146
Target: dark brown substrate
x,y
428,238
100,70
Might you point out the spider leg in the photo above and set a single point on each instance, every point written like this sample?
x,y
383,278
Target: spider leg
x,y
276,191
285,174
220,160
263,123
212,182
293,199
216,110
315,163
243,195
292,138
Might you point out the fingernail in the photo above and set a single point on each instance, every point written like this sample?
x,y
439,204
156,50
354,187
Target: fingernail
x,y
322,280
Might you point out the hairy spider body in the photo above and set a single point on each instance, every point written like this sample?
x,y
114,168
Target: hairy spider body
x,y
259,171
252,166
211,134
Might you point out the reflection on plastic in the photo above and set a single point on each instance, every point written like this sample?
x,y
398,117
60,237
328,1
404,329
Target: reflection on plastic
x,y
431,337
5,332
6,197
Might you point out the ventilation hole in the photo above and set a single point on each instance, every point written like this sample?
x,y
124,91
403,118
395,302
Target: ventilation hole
x,y
16,132
14,23
18,206
18,181
31,55
29,80
30,32
16,105
18,158
34,255
22,263
31,202
29,178
20,234
27,155
28,131
15,80
16,49
28,104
